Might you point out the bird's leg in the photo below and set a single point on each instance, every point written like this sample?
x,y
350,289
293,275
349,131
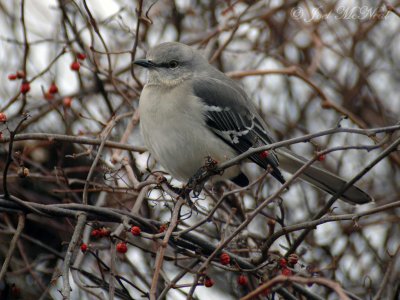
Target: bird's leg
x,y
197,181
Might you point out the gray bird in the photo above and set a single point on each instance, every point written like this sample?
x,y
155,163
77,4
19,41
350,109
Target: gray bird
x,y
189,110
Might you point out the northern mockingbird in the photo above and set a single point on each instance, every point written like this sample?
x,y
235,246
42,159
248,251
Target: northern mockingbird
x,y
189,110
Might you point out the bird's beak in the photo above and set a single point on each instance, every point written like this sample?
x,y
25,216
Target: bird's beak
x,y
145,63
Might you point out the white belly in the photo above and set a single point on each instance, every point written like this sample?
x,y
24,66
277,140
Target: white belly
x,y
178,138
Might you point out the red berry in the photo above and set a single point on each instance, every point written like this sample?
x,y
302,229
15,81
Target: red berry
x,y
67,101
84,247
95,233
75,66
121,247
25,87
208,282
283,262
264,154
81,56
287,272
162,228
135,230
242,280
15,292
48,96
53,89
225,259
293,259
321,157
21,74
266,292
104,232
12,76
3,117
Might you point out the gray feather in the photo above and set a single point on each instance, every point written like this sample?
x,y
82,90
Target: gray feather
x,y
228,116
320,178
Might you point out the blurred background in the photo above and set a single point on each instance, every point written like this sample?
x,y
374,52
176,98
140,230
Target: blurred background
x,y
305,64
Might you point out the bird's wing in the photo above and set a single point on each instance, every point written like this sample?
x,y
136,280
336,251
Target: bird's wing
x,y
228,116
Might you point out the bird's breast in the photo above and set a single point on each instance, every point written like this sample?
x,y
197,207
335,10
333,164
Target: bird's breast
x,y
174,131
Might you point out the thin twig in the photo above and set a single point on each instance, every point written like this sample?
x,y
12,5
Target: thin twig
x,y
389,270
163,247
350,183
80,224
13,244
104,135
10,155
282,279
72,139
313,224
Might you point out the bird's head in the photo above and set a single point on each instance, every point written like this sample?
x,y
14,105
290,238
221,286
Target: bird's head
x,y
171,63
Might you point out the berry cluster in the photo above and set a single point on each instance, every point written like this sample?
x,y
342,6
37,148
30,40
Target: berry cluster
x,y
100,232
291,261
75,65
25,86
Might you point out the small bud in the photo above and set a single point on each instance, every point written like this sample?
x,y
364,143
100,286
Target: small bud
x,y
271,225
321,157
293,259
67,102
326,105
21,74
23,172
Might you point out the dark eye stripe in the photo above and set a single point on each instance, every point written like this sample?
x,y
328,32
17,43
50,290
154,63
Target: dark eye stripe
x,y
166,64
162,65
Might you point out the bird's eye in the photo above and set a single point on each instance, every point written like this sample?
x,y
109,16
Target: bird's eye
x,y
173,64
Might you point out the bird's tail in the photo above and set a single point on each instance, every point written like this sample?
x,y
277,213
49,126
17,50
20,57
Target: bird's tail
x,y
320,178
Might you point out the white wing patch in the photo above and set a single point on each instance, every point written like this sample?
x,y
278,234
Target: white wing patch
x,y
214,108
229,124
